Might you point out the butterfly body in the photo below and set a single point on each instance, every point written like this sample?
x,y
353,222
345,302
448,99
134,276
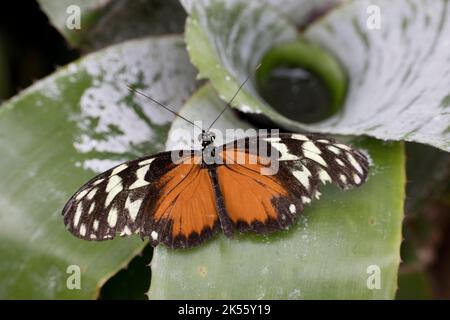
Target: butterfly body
x,y
185,201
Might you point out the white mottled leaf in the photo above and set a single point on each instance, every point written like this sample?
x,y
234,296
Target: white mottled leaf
x,y
60,132
398,75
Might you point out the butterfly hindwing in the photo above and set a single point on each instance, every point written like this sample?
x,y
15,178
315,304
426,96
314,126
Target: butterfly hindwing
x,y
185,213
253,201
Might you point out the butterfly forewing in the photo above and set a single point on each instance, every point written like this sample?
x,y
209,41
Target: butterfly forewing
x,y
184,214
267,203
322,160
115,201
312,159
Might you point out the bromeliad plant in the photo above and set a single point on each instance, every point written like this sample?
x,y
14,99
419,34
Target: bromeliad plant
x,y
383,87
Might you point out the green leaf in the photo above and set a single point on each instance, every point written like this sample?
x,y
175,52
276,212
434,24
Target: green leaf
x,y
398,75
60,132
324,255
108,22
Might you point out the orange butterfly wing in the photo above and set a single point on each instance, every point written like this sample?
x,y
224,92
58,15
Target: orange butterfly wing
x,y
186,215
154,197
256,202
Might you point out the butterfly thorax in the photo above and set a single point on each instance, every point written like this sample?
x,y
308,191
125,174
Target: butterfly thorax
x,y
207,138
208,149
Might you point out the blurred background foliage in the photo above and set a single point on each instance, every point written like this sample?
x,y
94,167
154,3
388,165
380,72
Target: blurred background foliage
x,y
28,54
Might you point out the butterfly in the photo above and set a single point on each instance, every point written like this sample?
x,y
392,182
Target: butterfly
x,y
185,200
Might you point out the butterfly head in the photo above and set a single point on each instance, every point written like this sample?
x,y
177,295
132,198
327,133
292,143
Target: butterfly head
x,y
206,138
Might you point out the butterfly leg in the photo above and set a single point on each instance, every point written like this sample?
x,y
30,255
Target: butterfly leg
x,y
224,219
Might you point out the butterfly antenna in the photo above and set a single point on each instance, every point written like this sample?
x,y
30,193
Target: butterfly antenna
x,y
231,100
161,105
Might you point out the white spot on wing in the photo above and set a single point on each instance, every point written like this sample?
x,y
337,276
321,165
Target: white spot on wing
x,y
154,235
340,162
113,188
356,178
292,208
324,176
112,194
77,216
133,207
125,232
81,194
306,199
112,217
343,178
298,136
334,149
97,182
354,163
140,175
119,169
92,193
91,208
83,230
113,181
343,146
95,226
315,157
282,148
145,162
310,146
303,176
